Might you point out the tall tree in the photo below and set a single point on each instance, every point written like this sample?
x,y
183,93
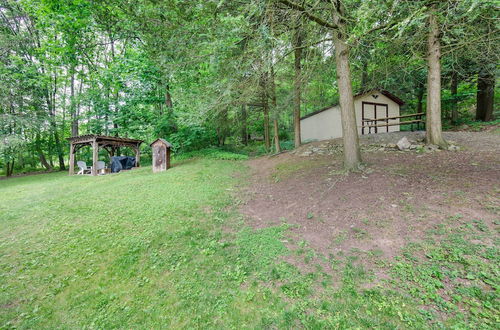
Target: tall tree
x,y
297,81
485,95
275,112
264,85
433,117
338,27
189,71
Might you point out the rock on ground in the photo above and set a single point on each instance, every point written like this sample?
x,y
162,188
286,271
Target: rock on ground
x,y
403,144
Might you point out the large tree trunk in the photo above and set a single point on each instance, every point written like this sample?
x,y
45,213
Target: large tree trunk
x,y
170,109
276,139
222,127
485,96
454,100
297,82
78,104
74,115
107,112
420,97
52,114
265,109
59,149
244,129
352,154
116,94
272,87
433,116
115,110
39,151
50,151
168,99
267,138
9,167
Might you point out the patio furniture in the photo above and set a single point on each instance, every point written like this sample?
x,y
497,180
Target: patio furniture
x,y
100,165
119,163
108,143
84,169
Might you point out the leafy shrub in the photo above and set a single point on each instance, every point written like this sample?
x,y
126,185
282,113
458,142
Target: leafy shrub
x,y
472,124
254,148
287,145
191,138
212,153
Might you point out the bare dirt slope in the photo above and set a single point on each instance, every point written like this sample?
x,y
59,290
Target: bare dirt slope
x,y
393,201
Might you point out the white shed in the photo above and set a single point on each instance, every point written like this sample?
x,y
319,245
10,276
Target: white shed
x,y
326,124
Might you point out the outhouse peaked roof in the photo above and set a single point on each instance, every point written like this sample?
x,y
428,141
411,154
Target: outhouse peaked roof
x,y
168,144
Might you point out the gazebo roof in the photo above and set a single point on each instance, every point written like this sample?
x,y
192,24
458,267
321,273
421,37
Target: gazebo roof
x,y
109,143
102,139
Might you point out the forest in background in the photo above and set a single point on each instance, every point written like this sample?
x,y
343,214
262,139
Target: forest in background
x,y
207,73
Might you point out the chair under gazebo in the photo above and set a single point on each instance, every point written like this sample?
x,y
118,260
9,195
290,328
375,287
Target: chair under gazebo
x,y
108,143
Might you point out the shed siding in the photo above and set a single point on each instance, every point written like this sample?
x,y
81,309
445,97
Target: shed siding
x,y
393,108
328,125
322,126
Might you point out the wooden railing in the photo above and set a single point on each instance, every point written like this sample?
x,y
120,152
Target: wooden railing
x,y
372,123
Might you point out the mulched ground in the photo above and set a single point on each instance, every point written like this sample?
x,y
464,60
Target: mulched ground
x,y
393,201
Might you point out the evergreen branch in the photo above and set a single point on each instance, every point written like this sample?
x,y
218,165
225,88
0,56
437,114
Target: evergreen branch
x,y
312,17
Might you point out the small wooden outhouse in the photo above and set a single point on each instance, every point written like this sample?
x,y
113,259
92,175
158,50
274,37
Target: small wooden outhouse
x,y
161,155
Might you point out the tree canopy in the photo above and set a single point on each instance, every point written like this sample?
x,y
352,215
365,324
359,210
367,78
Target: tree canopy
x,y
212,73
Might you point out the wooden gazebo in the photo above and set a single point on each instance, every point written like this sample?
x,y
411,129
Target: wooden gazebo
x,y
109,143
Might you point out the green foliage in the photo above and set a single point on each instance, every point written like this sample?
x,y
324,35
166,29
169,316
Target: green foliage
x,y
191,138
212,153
457,274
287,145
191,72
467,122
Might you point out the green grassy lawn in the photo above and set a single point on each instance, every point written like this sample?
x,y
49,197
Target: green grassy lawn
x,y
126,250
144,250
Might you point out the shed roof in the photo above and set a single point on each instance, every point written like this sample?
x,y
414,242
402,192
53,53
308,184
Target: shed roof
x,y
381,91
168,144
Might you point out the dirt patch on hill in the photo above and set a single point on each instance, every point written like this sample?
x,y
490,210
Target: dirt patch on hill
x,y
395,200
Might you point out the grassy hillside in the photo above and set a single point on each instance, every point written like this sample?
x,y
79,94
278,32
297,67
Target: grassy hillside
x,y
126,250
138,250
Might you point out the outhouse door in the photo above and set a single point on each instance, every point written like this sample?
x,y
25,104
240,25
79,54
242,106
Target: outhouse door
x,y
160,158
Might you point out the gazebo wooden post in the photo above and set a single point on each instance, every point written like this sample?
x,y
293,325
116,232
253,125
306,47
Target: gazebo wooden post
x,y
137,156
95,154
71,159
